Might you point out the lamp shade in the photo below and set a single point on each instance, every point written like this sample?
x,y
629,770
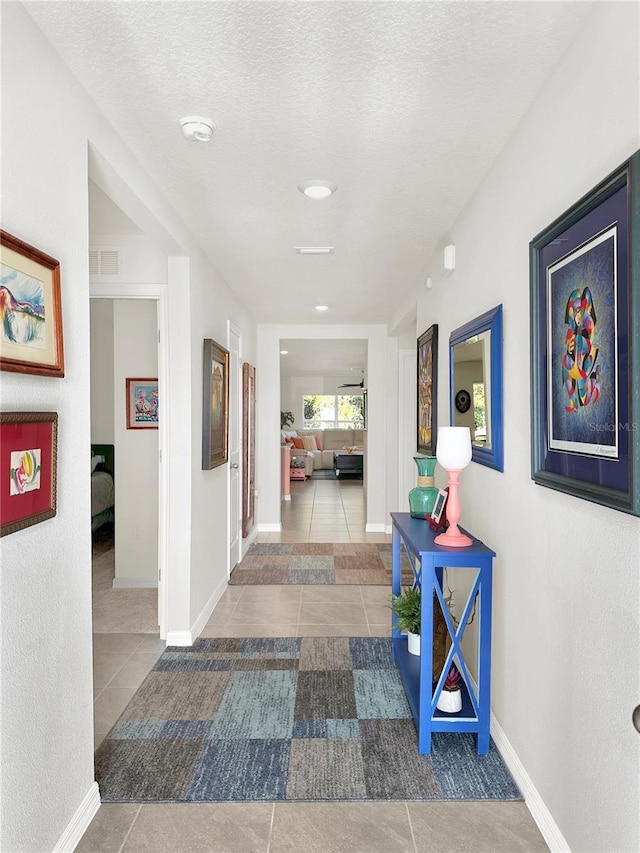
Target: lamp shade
x,y
453,449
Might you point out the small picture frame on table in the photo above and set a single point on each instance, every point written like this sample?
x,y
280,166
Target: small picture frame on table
x,y
438,507
28,469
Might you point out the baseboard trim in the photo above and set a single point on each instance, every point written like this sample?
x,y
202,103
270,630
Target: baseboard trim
x,y
375,528
551,833
207,610
79,823
248,542
179,638
270,528
134,583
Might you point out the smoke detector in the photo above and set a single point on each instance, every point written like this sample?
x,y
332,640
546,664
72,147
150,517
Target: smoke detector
x,y
197,128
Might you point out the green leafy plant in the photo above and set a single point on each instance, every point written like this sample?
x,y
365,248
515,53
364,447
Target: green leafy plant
x,y
286,419
407,608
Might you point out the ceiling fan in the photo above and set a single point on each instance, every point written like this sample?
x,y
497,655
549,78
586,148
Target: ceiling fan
x,y
353,384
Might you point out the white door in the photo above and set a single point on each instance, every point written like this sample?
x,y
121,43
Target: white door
x,y
235,445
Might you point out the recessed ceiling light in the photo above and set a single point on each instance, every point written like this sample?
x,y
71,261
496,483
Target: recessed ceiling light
x,y
315,250
317,189
284,352
197,128
322,307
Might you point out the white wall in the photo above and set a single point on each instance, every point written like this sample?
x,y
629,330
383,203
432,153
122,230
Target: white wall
x,y
566,652
51,130
136,450
101,337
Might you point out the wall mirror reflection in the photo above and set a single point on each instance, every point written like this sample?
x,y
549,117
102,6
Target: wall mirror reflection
x,y
475,354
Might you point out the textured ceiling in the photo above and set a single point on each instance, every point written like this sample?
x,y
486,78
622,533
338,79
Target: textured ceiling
x,y
345,359
405,105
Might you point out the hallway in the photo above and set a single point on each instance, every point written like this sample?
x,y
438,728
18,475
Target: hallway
x,y
319,511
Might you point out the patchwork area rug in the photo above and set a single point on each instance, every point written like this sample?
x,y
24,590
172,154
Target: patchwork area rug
x,y
298,719
318,563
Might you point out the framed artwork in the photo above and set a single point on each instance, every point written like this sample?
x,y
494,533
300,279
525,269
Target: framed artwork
x,y
585,364
142,403
427,391
28,466
215,405
30,310
248,446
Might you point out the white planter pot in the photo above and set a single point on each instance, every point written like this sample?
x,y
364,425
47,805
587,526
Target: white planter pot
x,y
450,701
414,643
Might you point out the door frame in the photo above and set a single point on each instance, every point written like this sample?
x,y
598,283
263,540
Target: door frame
x,y
235,378
158,292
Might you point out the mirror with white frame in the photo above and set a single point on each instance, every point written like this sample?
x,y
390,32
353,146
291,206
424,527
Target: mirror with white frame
x,y
475,364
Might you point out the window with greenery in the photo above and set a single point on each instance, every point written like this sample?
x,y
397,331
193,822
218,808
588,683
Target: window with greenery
x,y
333,411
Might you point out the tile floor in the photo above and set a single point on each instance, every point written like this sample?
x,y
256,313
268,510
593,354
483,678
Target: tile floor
x,y
319,511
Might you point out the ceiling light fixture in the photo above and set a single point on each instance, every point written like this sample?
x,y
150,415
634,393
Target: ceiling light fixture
x,y
317,189
284,352
197,128
315,250
322,307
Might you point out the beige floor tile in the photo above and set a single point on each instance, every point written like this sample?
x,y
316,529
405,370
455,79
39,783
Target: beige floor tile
x,y
379,630
315,613
201,828
341,828
109,705
494,827
377,613
332,594
135,670
348,629
106,665
263,611
109,828
117,642
152,643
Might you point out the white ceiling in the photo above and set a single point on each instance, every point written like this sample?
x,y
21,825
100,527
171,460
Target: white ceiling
x,y
405,105
345,359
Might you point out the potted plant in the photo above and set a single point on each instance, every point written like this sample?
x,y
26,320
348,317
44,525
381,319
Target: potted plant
x,y
407,609
450,699
286,419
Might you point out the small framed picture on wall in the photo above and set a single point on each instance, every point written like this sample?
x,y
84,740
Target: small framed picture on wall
x,y
142,403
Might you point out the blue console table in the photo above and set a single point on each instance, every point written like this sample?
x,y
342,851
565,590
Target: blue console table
x,y
422,686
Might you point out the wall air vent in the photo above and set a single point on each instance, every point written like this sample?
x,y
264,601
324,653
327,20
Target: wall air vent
x,y
104,262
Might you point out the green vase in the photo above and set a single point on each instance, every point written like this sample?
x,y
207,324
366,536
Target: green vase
x,y
422,499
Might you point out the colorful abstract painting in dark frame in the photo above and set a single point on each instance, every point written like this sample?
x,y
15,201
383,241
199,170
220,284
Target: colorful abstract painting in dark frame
x,y
427,390
585,363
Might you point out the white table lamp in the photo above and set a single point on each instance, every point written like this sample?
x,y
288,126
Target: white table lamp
x,y
453,451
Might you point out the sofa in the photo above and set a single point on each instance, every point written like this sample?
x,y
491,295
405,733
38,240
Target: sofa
x,y
321,443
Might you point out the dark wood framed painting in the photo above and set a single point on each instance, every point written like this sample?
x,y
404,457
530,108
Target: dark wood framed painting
x,y
427,391
215,405
30,310
585,346
248,446
28,469
142,403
